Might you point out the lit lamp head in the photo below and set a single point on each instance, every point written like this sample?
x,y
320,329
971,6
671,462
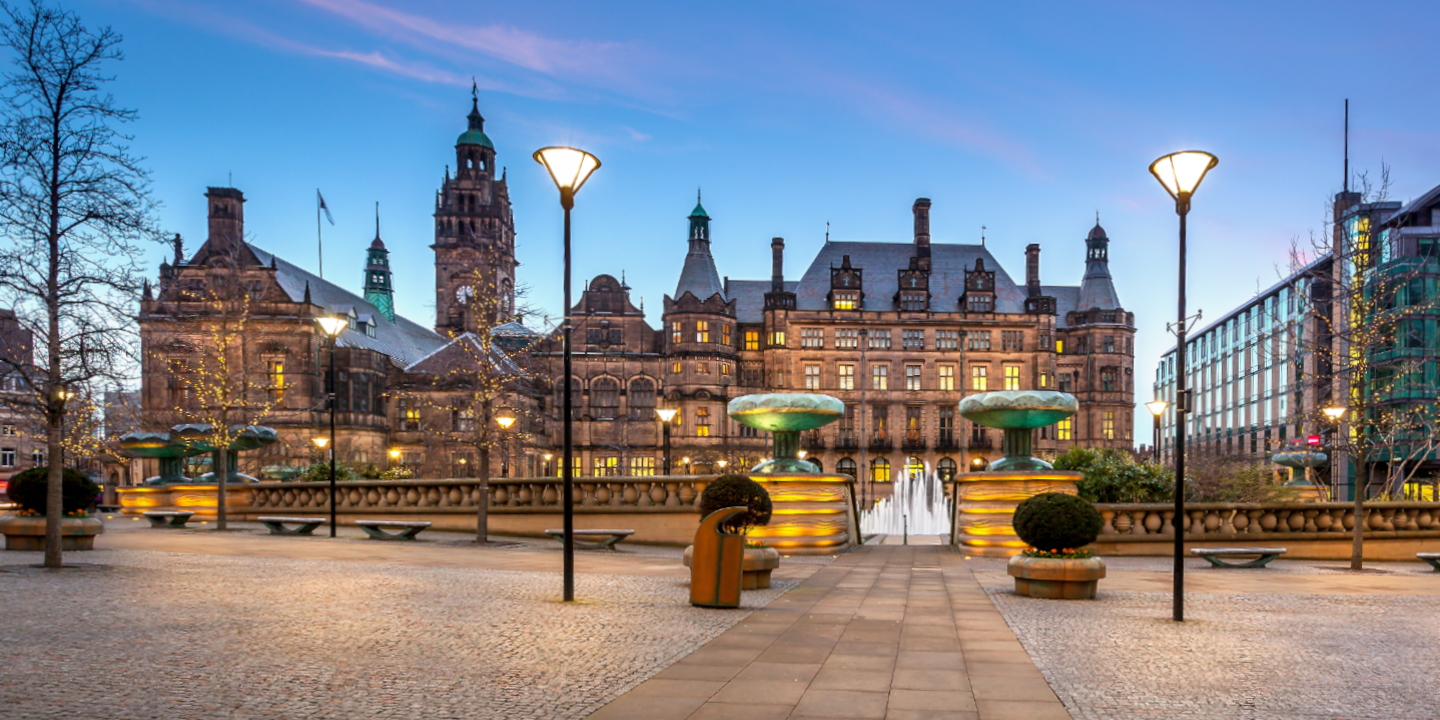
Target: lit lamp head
x,y
394,453
332,325
666,414
684,461
803,453
320,442
505,419
549,456
1334,413
569,168
1157,407
1181,174
722,463
976,462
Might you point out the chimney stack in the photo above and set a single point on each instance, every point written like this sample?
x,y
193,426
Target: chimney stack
x,y
777,265
921,208
1032,270
227,217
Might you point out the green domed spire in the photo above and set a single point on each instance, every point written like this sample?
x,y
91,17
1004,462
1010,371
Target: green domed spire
x,y
699,211
475,134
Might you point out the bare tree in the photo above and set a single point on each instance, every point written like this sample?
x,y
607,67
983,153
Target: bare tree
x,y
1365,333
74,204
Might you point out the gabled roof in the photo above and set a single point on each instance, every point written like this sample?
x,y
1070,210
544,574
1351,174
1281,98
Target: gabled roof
x,y
882,261
699,276
453,356
749,297
1067,299
1413,207
402,340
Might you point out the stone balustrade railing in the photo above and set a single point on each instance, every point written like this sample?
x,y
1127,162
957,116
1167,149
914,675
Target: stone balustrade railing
x,y
1149,522
459,495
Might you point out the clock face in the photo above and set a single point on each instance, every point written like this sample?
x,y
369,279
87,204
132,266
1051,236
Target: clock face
x,y
464,293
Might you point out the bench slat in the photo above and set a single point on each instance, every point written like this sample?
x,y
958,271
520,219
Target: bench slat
x,y
291,519
391,523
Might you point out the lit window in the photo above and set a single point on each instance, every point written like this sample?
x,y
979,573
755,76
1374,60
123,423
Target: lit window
x,y
880,377
276,371
1060,346
777,338
703,368
724,368
947,377
880,470
606,466
676,334
980,378
642,466
675,368
912,377
702,331
1012,377
724,334
847,377
1044,380
752,340
1062,429
702,422
1107,424
846,300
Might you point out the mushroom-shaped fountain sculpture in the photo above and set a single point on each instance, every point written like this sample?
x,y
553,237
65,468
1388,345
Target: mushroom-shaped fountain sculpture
x,y
199,437
986,501
158,445
785,416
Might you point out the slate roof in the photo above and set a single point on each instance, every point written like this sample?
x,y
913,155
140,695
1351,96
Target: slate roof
x,y
1414,207
749,297
405,342
699,276
1067,299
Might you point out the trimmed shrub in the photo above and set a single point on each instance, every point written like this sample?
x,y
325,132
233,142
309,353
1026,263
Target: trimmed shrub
x,y
735,490
320,472
78,492
1052,522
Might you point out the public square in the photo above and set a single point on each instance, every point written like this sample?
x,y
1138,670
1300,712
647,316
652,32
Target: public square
x,y
188,624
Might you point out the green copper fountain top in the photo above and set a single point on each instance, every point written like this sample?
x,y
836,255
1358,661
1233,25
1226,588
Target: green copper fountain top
x,y
781,412
1018,409
1300,459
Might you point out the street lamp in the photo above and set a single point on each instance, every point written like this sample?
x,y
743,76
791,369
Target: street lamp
x,y
332,326
686,462
62,395
1336,415
1180,173
666,415
1156,408
505,419
722,464
569,168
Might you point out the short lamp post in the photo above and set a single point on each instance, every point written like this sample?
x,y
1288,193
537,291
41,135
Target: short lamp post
x,y
548,457
62,396
394,456
506,420
1336,415
1180,173
332,327
569,168
722,464
666,415
1157,409
685,461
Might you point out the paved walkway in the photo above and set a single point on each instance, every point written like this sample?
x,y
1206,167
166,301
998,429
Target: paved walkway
x,y
886,632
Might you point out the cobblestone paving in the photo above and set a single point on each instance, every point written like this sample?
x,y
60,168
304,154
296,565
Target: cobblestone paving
x,y
135,634
1296,657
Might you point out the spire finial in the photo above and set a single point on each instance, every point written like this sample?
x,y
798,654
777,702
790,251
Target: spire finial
x,y
1097,217
697,196
307,292
982,236
474,91
377,218
827,232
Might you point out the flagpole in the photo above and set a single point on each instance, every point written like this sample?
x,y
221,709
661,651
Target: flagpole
x,y
319,240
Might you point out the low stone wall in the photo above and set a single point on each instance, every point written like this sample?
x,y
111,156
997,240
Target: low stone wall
x,y
1318,531
661,509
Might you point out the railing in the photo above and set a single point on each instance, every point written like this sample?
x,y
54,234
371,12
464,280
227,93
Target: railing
x,y
1150,522
881,443
812,440
913,443
981,443
947,442
847,442
520,495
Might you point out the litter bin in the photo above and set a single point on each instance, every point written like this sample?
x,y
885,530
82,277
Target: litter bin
x,y
717,563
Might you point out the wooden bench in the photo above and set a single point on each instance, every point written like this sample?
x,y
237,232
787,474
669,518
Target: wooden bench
x,y
167,518
1432,558
375,529
305,525
594,539
1262,556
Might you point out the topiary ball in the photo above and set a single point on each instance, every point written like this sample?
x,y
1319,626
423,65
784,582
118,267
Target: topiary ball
x,y
27,490
736,490
1051,522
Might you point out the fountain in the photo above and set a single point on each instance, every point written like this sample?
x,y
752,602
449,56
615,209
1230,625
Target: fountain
x,y
814,512
917,506
985,501
171,489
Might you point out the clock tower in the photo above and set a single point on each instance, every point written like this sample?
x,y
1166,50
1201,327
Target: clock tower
x,y
474,237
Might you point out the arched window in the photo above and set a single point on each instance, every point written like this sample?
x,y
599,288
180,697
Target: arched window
x,y
846,466
604,398
819,466
946,468
577,401
879,470
642,399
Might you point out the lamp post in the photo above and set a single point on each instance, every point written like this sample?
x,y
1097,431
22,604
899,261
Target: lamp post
x,y
1180,173
62,396
332,326
722,464
1336,415
394,455
505,419
569,168
548,457
666,415
1156,408
686,462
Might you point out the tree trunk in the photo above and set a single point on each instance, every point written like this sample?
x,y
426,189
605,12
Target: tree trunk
x,y
1357,544
222,473
482,506
54,497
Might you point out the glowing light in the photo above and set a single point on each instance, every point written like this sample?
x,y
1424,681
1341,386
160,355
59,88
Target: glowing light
x,y
394,453
332,326
1180,173
568,167
666,414
320,442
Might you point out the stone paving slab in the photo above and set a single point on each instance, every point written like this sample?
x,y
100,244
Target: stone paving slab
x,y
131,634
881,633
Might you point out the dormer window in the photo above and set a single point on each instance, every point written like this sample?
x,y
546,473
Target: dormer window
x,y
912,301
846,300
370,329
979,304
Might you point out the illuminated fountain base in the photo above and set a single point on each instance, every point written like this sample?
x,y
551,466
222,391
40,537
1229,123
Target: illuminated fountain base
x,y
199,499
985,508
814,513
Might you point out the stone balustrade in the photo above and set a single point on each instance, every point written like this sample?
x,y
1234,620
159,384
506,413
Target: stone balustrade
x,y
506,495
1150,522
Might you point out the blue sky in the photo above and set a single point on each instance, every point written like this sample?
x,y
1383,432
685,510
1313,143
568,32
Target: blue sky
x,y
1026,118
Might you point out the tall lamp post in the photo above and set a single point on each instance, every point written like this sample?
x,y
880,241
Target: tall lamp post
x,y
1156,408
666,415
569,168
332,327
1180,173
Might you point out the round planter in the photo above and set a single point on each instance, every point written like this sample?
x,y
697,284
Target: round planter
x,y
755,567
28,533
1056,578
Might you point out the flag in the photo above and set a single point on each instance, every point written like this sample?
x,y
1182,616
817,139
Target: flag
x,y
321,199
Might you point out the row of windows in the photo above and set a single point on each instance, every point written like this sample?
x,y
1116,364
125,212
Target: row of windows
x,y
7,457
945,377
849,339
703,333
